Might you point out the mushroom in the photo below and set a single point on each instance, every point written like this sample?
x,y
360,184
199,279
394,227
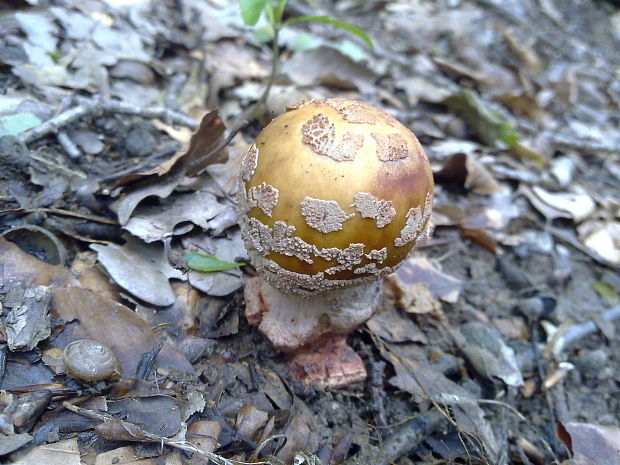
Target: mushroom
x,y
333,196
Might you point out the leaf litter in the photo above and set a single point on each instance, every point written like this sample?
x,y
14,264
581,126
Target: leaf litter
x,y
521,132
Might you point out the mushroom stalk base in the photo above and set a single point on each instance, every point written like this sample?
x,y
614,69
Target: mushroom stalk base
x,y
313,330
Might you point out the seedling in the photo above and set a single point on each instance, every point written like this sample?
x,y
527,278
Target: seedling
x,y
251,12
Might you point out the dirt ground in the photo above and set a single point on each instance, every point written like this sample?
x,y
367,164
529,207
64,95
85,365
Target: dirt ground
x,y
494,343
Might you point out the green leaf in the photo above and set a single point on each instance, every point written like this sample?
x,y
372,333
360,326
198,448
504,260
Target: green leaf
x,y
208,263
263,34
251,11
280,10
12,125
483,121
305,41
607,292
350,28
353,51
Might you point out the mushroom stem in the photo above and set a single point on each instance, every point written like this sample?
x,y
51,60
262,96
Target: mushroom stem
x,y
313,330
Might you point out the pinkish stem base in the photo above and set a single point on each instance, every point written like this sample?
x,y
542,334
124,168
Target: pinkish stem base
x,y
313,330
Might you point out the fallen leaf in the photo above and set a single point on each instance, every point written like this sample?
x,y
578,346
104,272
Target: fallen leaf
x,y
58,453
141,269
488,353
12,125
392,326
170,217
420,270
487,124
603,237
607,292
468,172
208,263
300,432
591,444
575,205
109,322
327,66
424,383
230,249
18,265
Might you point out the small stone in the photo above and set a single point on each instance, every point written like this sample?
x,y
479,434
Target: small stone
x,y
141,140
591,362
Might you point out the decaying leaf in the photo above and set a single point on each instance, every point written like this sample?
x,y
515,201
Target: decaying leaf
x,y
391,326
143,270
576,206
19,266
469,173
424,383
109,322
488,125
155,414
172,215
327,66
488,353
300,432
591,444
420,270
603,237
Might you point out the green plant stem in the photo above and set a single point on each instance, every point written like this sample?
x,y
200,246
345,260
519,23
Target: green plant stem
x,y
274,65
255,110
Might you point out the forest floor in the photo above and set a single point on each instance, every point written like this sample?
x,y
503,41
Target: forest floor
x,y
495,343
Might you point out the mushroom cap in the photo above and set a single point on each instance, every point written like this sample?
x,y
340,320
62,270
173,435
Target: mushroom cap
x,y
333,192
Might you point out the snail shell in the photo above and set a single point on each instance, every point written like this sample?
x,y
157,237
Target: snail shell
x,y
91,360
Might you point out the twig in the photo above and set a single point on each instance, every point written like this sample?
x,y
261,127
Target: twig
x,y
404,440
58,211
68,145
58,167
96,107
142,434
578,331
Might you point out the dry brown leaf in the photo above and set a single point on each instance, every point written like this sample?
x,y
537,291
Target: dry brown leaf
x,y
391,326
141,269
250,419
163,179
591,444
58,453
109,322
17,265
420,270
325,65
300,432
482,238
208,136
92,277
526,54
468,172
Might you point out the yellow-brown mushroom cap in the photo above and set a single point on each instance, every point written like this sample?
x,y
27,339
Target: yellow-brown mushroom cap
x,y
333,192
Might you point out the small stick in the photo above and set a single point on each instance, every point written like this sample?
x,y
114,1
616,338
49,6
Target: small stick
x,y
580,330
96,107
182,445
68,145
58,211
404,440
